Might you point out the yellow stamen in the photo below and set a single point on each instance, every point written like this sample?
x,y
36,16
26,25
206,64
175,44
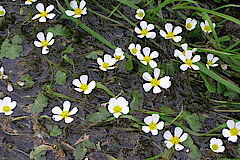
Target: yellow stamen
x,y
44,43
64,114
140,14
188,25
188,62
210,63
152,126
105,65
6,109
144,32
175,140
134,50
117,109
207,28
43,14
155,82
147,59
170,35
117,58
2,13
234,131
78,11
84,87
215,147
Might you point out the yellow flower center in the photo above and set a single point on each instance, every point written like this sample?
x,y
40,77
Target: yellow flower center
x,y
105,65
140,14
215,147
234,131
175,140
64,114
147,59
152,126
6,109
84,87
155,82
2,13
134,50
188,25
188,62
78,11
43,14
207,28
170,35
210,63
144,32
44,43
117,58
117,109
29,0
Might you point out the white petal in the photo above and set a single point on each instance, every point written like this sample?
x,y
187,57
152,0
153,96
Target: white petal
x,y
177,38
146,51
183,137
221,149
73,111
50,8
99,61
83,79
45,50
143,24
137,30
82,4
89,90
179,147
84,11
150,27
154,132
156,72
177,53
57,118
188,54
184,46
182,57
162,33
49,36
51,15
146,76
154,54
155,118
209,57
8,113
233,138
165,82
42,19
168,144
36,16
68,120
73,4
78,89
215,59
37,44
122,101
69,13
169,27
156,90
56,110
196,58
178,132
125,110
160,125
148,119
13,104
167,135
76,82
107,58
147,87
41,36
66,105
153,64
151,35
116,115
188,20
195,67
51,42
40,7
92,84
177,30
145,129
237,125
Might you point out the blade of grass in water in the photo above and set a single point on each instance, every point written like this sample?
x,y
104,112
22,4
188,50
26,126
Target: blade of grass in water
x,y
128,3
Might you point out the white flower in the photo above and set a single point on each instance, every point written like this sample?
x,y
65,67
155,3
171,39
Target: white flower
x,y
190,24
205,26
82,85
78,10
118,106
144,31
153,125
44,42
134,49
155,82
189,61
107,63
171,33
211,60
44,14
140,14
7,105
118,54
65,113
184,46
9,87
233,132
147,57
29,2
2,11
2,75
216,145
176,139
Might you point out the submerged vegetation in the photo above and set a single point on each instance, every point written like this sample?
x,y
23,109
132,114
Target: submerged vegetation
x,y
119,79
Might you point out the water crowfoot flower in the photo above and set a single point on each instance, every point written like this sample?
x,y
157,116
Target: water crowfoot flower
x,y
216,145
190,24
78,10
119,54
184,46
107,63
65,113
189,61
171,33
9,87
44,42
145,30
147,57
7,105
29,2
2,11
140,14
44,14
211,60
153,125
205,26
82,85
176,139
2,75
155,82
118,106
134,49
233,132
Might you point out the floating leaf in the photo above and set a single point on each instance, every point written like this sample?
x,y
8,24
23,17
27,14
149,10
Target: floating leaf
x,y
81,149
69,49
137,100
129,64
94,54
61,77
167,110
55,131
39,104
193,121
27,79
59,30
102,115
38,152
194,153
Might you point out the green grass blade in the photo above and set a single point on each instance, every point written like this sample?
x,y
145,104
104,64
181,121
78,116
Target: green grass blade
x,y
216,77
101,86
221,53
228,5
128,4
